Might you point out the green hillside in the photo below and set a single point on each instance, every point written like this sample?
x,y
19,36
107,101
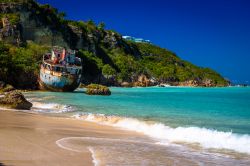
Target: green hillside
x,y
106,57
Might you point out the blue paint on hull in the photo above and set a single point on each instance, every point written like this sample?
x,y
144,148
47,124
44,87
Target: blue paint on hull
x,y
59,83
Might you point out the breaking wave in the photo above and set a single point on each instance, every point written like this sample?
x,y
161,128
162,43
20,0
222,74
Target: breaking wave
x,y
34,99
206,138
51,107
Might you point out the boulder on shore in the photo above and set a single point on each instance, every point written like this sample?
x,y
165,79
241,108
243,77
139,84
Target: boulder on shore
x,y
95,89
15,100
5,87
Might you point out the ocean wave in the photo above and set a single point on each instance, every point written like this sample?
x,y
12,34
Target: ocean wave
x,y
135,151
51,107
34,99
206,138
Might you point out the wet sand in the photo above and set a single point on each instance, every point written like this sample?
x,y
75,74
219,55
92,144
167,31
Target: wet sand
x,y
30,139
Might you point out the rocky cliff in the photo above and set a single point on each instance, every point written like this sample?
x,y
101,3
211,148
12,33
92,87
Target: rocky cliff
x,y
107,58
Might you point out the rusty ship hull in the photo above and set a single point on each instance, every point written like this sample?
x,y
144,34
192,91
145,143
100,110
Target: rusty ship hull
x,y
60,70
57,81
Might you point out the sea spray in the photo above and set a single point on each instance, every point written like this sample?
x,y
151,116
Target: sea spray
x,y
207,138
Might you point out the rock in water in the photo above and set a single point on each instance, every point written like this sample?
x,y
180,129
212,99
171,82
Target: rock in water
x,y
95,89
16,100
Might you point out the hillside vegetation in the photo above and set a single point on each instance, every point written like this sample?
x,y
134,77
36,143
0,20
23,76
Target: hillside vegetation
x,y
106,57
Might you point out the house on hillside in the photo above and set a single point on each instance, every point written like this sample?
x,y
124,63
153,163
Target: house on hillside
x,y
137,40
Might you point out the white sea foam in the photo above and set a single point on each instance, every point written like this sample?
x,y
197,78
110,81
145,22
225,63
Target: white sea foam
x,y
50,107
95,161
207,138
135,151
36,99
64,147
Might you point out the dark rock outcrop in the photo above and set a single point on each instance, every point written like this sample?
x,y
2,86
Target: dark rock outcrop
x,y
95,89
5,87
2,84
15,100
41,25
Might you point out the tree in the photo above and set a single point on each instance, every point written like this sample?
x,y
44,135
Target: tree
x,y
91,23
101,26
5,62
81,24
61,15
108,71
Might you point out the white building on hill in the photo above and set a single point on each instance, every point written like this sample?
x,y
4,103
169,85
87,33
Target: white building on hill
x,y
138,40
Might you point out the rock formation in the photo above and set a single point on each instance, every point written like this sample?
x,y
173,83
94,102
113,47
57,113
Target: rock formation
x,y
15,100
95,89
5,87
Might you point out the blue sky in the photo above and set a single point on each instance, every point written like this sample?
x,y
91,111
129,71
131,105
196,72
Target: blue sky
x,y
208,33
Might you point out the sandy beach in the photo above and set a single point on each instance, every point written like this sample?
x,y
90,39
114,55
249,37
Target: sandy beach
x,y
57,139
30,139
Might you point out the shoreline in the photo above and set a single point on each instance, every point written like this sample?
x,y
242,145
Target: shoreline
x,y
30,139
33,139
81,134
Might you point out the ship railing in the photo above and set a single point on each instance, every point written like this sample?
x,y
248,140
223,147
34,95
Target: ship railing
x,y
70,65
75,70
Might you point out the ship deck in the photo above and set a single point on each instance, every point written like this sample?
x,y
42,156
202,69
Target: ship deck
x,y
50,62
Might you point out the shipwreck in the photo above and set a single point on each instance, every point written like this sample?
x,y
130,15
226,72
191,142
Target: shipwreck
x,y
60,70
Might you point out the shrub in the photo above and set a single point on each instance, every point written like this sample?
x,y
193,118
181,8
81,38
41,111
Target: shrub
x,y
108,71
19,66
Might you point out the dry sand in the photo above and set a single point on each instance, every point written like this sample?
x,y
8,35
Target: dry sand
x,y
29,139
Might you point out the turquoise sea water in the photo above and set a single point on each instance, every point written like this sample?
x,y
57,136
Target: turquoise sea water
x,y
225,109
193,115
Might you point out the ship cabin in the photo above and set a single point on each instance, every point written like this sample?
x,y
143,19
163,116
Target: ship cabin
x,y
62,61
